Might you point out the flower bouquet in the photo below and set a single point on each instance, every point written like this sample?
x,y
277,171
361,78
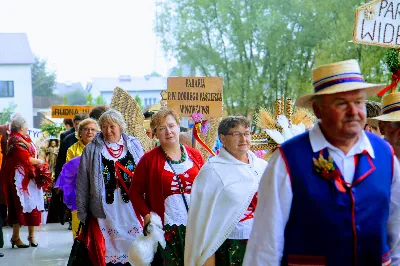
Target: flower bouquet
x,y
42,176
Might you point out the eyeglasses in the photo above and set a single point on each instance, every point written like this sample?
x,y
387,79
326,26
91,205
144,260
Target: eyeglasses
x,y
164,128
86,129
238,135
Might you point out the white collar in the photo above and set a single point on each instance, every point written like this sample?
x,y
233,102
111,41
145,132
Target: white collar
x,y
114,144
319,142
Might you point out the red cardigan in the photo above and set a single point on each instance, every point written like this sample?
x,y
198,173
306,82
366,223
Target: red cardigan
x,y
146,192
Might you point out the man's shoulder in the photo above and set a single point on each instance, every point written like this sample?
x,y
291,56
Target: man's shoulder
x,y
303,138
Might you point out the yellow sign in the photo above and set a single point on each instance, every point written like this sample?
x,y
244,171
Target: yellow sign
x,y
195,94
69,111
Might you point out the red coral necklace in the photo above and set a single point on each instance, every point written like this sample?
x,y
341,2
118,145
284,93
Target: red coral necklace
x,y
115,153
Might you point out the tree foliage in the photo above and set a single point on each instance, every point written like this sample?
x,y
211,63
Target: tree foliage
x,y
53,129
6,113
75,97
43,80
263,49
139,101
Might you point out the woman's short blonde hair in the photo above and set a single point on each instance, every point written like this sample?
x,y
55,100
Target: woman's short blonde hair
x,y
84,123
115,116
157,118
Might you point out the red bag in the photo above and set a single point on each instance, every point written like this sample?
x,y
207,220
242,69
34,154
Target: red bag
x,y
94,241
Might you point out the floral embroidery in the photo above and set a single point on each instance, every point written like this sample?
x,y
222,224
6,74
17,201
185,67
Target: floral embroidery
x,y
134,231
327,170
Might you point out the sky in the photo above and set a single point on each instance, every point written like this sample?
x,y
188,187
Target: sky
x,y
86,38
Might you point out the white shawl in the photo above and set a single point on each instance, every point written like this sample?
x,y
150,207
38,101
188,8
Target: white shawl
x,y
220,196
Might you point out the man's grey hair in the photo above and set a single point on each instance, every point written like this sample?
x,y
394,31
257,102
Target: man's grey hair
x,y
17,122
114,116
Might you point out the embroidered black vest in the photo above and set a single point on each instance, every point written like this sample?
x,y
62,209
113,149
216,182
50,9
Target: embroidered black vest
x,y
110,179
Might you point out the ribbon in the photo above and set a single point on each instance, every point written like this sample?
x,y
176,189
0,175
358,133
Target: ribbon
x,y
393,85
196,134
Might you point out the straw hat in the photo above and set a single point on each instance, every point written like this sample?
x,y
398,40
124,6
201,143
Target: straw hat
x,y
373,110
338,77
390,108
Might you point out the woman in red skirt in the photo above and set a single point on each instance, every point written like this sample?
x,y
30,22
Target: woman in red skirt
x,y
24,198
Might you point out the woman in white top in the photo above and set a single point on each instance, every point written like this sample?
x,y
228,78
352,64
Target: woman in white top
x,y
104,178
224,197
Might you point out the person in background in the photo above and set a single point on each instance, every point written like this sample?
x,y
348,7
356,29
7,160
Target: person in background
x,y
4,133
57,205
69,125
104,178
162,183
97,111
373,110
330,196
24,198
66,181
147,115
389,121
67,142
223,199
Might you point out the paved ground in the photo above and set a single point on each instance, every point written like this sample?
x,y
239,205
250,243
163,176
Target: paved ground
x,y
55,243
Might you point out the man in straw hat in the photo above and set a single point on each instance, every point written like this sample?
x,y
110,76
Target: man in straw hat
x,y
373,110
389,120
330,196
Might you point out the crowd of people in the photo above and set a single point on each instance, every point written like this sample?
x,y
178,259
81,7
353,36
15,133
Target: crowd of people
x,y
329,196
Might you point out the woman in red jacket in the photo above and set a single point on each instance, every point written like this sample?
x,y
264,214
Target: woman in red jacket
x,y
162,183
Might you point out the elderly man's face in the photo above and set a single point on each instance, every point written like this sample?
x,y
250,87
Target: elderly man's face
x,y
342,114
391,131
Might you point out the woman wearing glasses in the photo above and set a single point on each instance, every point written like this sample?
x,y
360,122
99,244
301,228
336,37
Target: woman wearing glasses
x,y
87,130
162,183
224,198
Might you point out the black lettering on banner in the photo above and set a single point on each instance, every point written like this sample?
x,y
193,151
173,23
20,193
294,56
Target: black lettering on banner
x,y
397,11
392,34
382,7
398,35
195,83
390,9
190,109
371,36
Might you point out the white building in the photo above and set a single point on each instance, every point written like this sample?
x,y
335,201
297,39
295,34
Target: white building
x,y
148,88
15,74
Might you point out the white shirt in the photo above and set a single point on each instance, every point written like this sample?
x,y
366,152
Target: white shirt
x,y
266,243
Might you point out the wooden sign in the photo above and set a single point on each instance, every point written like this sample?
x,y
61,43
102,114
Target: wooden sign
x,y
69,111
195,94
378,23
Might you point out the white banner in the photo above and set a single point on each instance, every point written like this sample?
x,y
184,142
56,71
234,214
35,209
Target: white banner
x,y
378,23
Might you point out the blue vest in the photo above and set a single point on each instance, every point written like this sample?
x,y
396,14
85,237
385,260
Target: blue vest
x,y
329,227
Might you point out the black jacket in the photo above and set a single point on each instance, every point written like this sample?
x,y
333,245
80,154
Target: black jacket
x,y
67,142
66,133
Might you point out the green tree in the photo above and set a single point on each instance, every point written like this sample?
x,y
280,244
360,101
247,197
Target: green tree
x,y
76,97
43,80
89,99
52,128
263,49
139,101
6,113
100,100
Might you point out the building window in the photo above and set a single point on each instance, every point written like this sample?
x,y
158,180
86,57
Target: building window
x,y
145,101
154,100
6,89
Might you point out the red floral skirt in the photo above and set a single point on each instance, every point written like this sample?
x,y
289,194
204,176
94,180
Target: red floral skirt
x,y
15,214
